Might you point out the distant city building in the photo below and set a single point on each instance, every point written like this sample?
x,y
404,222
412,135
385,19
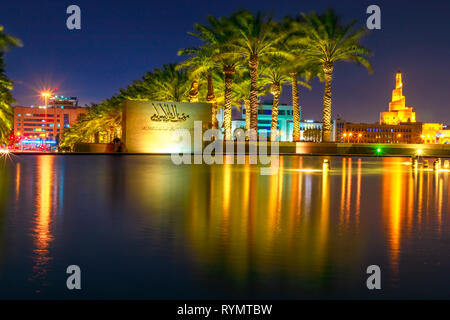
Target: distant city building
x,y
443,136
338,128
310,130
46,123
398,125
381,133
285,124
62,101
398,111
430,132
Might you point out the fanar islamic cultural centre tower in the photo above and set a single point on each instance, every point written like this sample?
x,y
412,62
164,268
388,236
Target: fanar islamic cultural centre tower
x,y
398,111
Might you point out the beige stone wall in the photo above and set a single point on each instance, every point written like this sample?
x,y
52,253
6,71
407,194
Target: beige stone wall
x,y
148,125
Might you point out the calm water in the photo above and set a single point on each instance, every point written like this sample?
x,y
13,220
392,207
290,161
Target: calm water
x,y
141,227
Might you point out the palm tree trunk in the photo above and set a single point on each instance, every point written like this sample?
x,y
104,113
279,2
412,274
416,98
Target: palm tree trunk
x,y
274,124
295,108
227,103
211,98
326,128
247,113
254,96
193,92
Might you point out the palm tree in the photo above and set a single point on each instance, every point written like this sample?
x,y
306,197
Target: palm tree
x,y
104,119
201,64
275,76
328,41
6,99
7,41
169,84
255,38
166,84
299,67
101,123
217,35
241,90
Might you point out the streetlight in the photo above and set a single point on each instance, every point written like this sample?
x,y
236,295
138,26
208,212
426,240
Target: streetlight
x,y
45,95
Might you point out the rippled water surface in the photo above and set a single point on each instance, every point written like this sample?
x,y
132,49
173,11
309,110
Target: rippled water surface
x,y
142,227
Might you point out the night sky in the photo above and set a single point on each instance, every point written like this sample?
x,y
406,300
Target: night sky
x,y
120,40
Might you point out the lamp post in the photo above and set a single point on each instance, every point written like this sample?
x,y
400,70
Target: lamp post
x,y
45,95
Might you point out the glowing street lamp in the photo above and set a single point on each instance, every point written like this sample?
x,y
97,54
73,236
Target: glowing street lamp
x,y
45,95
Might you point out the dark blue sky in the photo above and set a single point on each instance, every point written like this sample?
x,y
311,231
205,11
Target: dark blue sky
x,y
121,40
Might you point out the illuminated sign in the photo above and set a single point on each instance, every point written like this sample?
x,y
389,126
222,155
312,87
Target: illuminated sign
x,y
52,142
148,126
167,112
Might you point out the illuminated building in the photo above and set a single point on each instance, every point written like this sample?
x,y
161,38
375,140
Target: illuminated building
x,y
61,101
443,136
45,123
310,130
398,125
338,126
398,111
430,131
285,125
381,133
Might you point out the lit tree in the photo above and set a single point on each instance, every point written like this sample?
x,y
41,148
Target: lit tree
x,y
326,42
255,38
6,85
201,64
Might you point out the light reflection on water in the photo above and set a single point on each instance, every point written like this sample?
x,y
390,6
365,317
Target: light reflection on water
x,y
141,227
42,235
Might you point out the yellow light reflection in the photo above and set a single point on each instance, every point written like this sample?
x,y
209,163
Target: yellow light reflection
x,y
42,223
394,202
358,191
17,181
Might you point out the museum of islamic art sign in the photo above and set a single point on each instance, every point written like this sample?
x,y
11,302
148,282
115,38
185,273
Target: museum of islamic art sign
x,y
149,126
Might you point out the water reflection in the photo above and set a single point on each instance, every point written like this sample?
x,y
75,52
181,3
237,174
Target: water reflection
x,y
4,194
412,206
265,227
226,229
17,181
394,201
42,233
